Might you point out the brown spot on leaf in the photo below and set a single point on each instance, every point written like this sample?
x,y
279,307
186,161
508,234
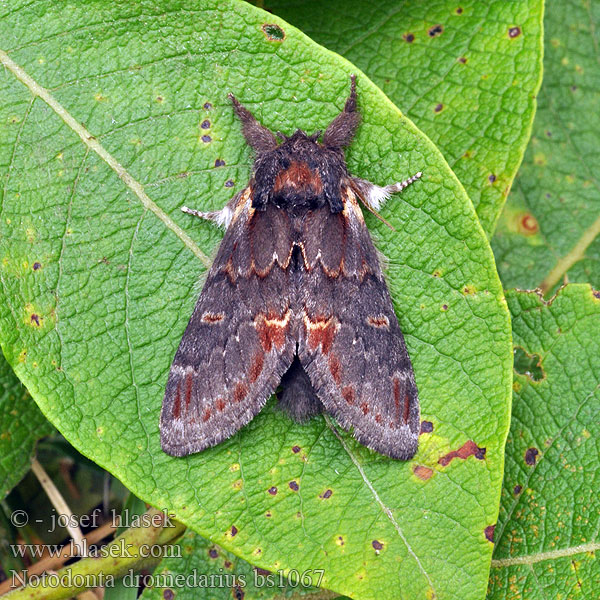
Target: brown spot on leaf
x,y
459,10
273,32
435,30
205,124
596,294
491,178
438,108
229,183
36,266
262,571
295,449
422,472
238,593
326,494
528,224
294,485
213,553
272,490
514,32
462,60
219,162
168,594
426,427
409,37
517,490
206,139
233,530
489,533
35,319
531,456
377,545
207,106
469,448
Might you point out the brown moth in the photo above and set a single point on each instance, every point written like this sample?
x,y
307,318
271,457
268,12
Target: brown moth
x,y
295,296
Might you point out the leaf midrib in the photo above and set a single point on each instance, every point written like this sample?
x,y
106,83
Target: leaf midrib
x,y
93,144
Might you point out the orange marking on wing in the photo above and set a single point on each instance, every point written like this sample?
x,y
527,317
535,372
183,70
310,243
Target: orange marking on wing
x,y
211,318
240,392
299,177
406,408
189,382
365,408
256,367
321,332
378,418
220,404
177,403
348,394
397,397
206,415
272,330
380,321
336,368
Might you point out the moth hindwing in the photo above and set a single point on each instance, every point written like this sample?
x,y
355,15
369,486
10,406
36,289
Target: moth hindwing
x,y
295,296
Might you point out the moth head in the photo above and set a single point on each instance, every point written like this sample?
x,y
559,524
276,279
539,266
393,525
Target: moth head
x,y
300,170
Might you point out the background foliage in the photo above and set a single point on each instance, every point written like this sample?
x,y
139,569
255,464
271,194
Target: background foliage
x,y
115,115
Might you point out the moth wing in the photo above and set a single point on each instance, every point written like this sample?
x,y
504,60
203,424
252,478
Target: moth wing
x,y
237,344
350,343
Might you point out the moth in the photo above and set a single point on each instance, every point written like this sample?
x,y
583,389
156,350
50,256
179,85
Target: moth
x,y
295,296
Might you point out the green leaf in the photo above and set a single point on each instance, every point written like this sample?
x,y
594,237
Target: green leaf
x,y
21,426
547,532
98,209
199,569
550,226
466,73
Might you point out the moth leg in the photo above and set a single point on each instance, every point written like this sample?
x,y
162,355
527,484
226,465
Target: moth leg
x,y
221,217
297,396
375,195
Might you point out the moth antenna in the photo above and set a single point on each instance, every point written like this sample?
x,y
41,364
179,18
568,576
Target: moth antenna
x,y
258,136
316,135
341,130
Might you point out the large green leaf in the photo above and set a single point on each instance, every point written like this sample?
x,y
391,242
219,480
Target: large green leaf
x,y
466,73
547,533
551,223
98,209
21,425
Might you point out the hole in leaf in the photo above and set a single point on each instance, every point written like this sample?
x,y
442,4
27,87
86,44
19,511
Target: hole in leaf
x,y
273,32
528,364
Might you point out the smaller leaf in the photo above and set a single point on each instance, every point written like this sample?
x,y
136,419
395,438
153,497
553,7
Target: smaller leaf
x,y
547,531
21,425
550,227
